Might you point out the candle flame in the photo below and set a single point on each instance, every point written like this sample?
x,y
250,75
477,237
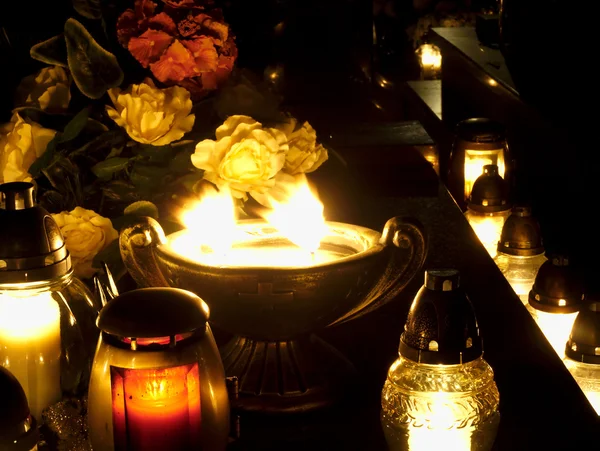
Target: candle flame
x,y
299,217
295,211
430,55
212,220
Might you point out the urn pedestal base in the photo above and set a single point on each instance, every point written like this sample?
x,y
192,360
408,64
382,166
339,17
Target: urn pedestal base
x,y
287,377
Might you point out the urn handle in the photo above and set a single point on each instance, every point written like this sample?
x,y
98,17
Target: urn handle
x,y
137,243
404,240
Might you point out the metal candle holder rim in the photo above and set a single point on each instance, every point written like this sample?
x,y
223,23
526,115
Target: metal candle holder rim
x,y
33,248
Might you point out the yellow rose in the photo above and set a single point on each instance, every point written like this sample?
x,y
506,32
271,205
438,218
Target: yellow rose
x,y
47,89
21,143
305,154
245,156
151,115
86,233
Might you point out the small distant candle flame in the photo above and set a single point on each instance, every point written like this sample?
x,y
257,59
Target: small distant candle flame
x,y
430,55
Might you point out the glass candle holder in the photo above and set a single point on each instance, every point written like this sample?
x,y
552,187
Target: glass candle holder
x,y
488,208
440,393
157,380
555,299
18,429
477,143
47,317
430,61
520,251
582,353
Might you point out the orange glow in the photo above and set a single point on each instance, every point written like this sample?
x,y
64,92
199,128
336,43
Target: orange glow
x,y
215,238
156,408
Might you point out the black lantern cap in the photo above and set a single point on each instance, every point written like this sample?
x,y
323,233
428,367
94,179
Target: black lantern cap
x,y
441,327
481,130
558,287
32,247
521,234
584,342
152,313
490,192
18,431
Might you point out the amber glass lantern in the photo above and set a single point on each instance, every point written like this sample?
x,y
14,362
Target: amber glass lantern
x,y
488,208
47,330
520,251
157,380
18,429
477,142
430,61
555,299
440,393
583,353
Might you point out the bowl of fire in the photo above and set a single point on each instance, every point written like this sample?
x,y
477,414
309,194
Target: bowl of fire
x,y
273,297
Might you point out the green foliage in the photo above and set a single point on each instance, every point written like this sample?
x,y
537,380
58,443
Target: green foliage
x,y
94,69
52,51
90,9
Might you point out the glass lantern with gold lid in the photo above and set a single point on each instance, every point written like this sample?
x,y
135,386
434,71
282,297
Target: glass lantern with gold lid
x,y
520,251
555,299
488,207
582,352
18,429
440,393
47,330
158,381
477,142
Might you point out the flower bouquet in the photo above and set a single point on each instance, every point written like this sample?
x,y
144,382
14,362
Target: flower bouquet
x,y
136,108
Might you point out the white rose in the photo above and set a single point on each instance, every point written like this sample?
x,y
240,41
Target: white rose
x,y
245,156
305,154
86,233
47,89
21,143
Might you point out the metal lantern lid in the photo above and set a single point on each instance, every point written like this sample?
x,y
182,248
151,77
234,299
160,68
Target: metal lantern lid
x,y
481,130
584,342
152,313
18,431
490,192
441,327
521,234
558,287
32,247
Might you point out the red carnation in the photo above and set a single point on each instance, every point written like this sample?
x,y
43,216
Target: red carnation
x,y
183,42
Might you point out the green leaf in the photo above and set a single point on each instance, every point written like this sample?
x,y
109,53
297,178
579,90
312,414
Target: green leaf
x,y
55,121
75,126
44,160
109,167
94,69
142,208
120,190
90,9
51,51
182,162
189,181
155,154
148,178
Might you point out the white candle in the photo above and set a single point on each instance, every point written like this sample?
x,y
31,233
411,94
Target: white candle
x,y
30,346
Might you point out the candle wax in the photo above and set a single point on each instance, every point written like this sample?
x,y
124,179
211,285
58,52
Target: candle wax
x,y
253,255
30,346
161,409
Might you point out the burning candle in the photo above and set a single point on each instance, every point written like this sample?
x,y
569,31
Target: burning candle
x,y
30,339
156,409
290,235
431,61
475,160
